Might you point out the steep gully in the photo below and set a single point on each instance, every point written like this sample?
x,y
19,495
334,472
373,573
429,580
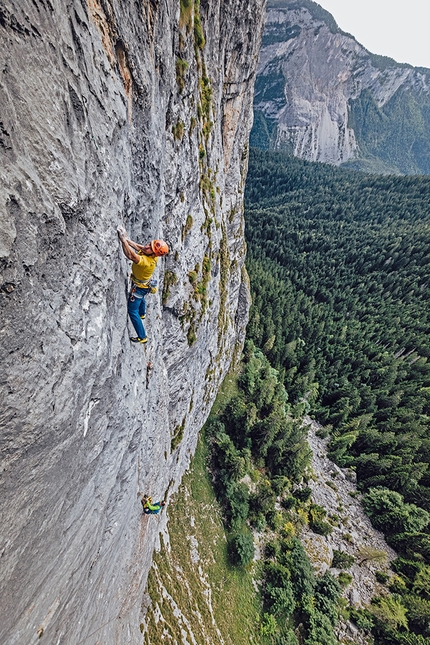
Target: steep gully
x,y
111,113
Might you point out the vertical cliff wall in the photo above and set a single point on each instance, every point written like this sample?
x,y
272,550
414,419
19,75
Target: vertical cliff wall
x,y
112,112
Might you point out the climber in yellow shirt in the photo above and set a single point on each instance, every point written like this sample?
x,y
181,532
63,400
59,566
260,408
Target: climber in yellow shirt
x,y
144,263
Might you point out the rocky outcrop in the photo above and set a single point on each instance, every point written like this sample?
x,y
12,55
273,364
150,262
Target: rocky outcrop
x,y
324,97
352,533
112,113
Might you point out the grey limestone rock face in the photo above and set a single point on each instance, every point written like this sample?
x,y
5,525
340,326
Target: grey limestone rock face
x,y
112,113
308,74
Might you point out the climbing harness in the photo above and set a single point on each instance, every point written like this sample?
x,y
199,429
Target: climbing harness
x,y
147,284
140,285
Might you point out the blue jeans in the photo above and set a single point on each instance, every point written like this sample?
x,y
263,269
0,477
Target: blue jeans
x,y
136,308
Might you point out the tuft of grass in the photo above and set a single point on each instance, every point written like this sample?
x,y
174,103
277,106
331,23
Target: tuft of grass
x,y
191,335
187,226
170,279
181,67
205,99
192,276
178,435
186,9
199,36
193,123
178,130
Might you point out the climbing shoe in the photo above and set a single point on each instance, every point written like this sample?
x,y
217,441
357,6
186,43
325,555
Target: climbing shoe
x,y
136,339
143,317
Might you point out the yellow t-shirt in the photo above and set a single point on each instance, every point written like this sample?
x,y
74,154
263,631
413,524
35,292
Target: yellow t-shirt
x,y
144,270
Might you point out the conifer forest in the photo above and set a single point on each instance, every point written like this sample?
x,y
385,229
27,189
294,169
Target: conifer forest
x,y
339,263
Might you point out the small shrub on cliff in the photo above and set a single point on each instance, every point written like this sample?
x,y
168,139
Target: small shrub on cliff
x,y
344,578
382,577
321,527
288,502
389,612
362,618
241,549
342,560
303,494
316,520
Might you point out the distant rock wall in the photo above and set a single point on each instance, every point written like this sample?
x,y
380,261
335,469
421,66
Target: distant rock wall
x,y
324,97
112,113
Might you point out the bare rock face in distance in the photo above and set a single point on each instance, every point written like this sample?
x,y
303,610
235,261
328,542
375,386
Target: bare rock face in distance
x,y
112,113
323,97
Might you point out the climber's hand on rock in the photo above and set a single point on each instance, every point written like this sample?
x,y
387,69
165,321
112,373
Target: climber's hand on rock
x,y
122,233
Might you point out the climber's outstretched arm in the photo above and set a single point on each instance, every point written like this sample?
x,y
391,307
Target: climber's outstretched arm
x,y
127,247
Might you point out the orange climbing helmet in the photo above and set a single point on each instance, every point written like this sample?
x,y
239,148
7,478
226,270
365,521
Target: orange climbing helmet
x,y
159,247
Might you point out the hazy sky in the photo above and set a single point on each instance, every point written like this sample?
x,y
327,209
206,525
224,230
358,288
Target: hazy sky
x,y
399,29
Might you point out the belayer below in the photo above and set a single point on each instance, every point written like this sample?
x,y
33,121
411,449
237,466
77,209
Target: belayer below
x,y
144,263
148,507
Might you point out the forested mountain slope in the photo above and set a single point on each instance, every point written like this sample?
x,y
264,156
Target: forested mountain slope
x,y
323,97
339,264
